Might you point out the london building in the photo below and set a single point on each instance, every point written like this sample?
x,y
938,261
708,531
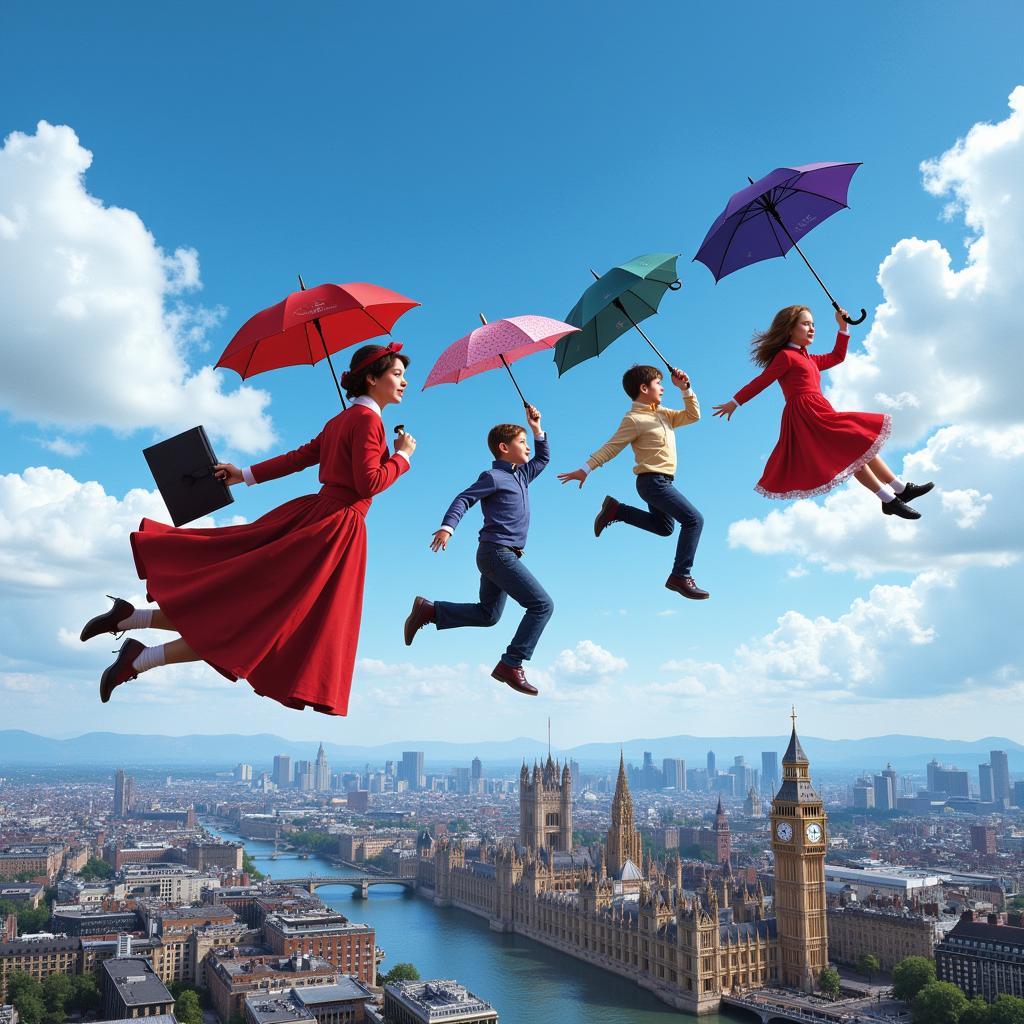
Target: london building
x,y
984,958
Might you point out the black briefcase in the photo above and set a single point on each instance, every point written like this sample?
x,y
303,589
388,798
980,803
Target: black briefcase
x,y
182,467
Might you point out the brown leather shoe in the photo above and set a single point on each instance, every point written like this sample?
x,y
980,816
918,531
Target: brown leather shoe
x,y
609,510
107,622
686,586
122,669
422,613
514,677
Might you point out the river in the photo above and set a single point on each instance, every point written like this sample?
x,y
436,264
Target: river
x,y
523,980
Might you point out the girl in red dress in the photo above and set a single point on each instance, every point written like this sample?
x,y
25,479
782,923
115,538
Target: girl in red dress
x,y
276,602
818,447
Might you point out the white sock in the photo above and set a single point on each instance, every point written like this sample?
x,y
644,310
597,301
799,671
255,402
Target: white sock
x,y
150,657
897,485
886,493
141,618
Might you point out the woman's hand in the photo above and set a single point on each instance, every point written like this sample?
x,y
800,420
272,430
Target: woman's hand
x,y
726,409
841,316
576,474
228,474
440,540
406,444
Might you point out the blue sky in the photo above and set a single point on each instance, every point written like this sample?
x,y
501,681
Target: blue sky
x,y
483,157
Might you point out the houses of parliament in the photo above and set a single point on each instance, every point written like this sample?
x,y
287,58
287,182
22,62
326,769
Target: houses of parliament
x,y
619,912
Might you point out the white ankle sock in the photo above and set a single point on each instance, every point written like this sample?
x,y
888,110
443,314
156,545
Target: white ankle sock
x,y
897,485
886,493
141,618
150,657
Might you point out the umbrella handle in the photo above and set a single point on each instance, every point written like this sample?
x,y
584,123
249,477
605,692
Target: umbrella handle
x,y
859,320
675,285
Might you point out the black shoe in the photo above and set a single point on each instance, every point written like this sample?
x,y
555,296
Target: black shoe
x,y
607,515
107,622
121,670
911,491
898,508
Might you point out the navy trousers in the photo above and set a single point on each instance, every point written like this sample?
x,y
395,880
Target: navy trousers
x,y
502,574
666,507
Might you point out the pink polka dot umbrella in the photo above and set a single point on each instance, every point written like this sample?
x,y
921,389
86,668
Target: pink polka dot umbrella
x,y
496,344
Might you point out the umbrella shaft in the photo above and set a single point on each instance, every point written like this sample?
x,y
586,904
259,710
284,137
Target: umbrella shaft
x,y
504,362
330,362
619,304
775,213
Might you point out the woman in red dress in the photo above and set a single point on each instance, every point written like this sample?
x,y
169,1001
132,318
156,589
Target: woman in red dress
x,y
278,601
818,447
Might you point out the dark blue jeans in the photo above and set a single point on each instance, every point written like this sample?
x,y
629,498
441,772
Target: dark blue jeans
x,y
502,574
666,508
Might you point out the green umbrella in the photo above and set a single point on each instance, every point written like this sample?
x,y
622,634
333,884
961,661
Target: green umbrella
x,y
615,303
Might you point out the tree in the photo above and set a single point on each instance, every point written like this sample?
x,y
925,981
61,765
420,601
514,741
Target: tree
x,y
27,996
401,972
977,1012
249,866
96,867
911,975
830,983
57,991
868,965
1007,1010
85,994
187,1008
939,1002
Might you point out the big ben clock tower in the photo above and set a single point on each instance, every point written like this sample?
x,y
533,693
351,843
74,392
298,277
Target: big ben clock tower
x,y
799,844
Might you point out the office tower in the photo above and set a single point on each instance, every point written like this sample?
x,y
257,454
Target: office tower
x,y
282,771
986,788
769,772
1018,793
574,772
650,777
933,767
890,773
885,795
123,785
863,794
321,771
1000,775
476,769
673,769
952,781
712,770
983,839
304,776
411,769
243,773
742,773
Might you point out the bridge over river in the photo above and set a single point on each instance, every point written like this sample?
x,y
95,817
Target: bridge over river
x,y
771,1006
360,884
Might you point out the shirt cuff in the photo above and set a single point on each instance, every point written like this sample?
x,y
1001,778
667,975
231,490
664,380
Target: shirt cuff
x,y
736,399
542,436
402,455
585,469
248,477
844,330
447,529
688,393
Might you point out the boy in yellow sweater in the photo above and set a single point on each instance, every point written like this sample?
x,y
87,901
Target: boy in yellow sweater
x,y
648,428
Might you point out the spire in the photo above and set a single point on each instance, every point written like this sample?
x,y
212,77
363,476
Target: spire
x,y
794,752
719,810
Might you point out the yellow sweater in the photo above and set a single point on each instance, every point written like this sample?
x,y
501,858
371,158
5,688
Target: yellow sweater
x,y
649,430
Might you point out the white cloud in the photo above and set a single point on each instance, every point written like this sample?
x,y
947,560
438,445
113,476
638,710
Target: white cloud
x,y
62,446
95,329
588,659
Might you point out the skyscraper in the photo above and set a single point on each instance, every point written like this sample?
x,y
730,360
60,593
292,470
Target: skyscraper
x,y
123,785
769,772
282,771
476,769
986,784
321,771
885,793
1000,775
674,771
411,770
711,764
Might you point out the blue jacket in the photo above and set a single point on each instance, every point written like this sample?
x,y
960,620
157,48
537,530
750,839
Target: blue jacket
x,y
504,498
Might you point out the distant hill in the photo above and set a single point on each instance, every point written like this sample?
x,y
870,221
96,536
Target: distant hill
x,y
100,749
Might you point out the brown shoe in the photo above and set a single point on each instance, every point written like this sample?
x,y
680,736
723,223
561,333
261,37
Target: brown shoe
x,y
686,586
514,677
107,622
422,613
607,515
122,670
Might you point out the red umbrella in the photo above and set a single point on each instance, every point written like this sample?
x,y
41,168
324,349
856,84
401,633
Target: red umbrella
x,y
311,324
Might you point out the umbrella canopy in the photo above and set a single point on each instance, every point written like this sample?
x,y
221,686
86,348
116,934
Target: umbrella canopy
x,y
615,303
496,344
311,324
769,217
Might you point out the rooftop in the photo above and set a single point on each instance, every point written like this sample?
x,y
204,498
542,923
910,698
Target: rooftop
x,y
345,990
136,982
437,1000
280,1009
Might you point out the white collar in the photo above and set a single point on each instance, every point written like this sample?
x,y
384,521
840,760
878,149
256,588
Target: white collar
x,y
368,402
793,344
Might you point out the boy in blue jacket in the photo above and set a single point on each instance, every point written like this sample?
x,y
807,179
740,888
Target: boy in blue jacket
x,y
503,493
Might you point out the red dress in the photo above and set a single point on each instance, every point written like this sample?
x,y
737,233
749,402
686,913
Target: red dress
x,y
278,601
817,447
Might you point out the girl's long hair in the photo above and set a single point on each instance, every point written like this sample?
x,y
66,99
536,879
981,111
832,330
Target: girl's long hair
x,y
765,345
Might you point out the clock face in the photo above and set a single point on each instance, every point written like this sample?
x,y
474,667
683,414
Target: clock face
x,y
784,831
813,833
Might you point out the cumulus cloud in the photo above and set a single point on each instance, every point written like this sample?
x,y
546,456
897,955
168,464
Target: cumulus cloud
x,y
96,329
588,659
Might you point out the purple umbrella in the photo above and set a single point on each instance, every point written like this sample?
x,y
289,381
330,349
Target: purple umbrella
x,y
494,345
767,218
